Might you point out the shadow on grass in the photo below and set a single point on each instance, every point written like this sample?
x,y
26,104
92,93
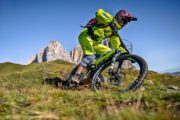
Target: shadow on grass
x,y
62,83
56,82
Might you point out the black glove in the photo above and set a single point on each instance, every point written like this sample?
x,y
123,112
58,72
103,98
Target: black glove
x,y
113,27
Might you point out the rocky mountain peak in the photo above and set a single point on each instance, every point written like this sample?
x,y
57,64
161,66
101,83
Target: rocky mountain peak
x,y
54,44
76,54
55,50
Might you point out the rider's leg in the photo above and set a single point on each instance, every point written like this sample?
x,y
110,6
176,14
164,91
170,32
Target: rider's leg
x,y
100,48
76,77
86,61
80,69
87,46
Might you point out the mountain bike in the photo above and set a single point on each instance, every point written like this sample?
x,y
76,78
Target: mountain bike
x,y
114,71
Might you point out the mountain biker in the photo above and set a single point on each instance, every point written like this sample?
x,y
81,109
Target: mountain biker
x,y
90,38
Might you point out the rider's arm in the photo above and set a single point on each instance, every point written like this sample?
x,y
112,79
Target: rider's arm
x,y
116,44
103,17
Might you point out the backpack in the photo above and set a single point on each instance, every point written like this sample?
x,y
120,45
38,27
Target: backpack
x,y
90,24
94,22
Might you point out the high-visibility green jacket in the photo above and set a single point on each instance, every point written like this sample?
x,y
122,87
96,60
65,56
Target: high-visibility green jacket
x,y
91,46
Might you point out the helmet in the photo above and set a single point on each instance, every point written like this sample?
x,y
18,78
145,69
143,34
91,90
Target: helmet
x,y
124,14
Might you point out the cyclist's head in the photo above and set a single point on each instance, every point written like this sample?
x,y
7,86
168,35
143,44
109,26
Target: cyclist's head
x,y
123,17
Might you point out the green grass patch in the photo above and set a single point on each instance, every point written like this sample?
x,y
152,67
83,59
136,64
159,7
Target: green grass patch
x,y
31,92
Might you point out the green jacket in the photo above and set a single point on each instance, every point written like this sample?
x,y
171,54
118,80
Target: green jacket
x,y
104,18
89,45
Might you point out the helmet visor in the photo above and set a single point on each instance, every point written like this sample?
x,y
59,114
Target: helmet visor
x,y
133,18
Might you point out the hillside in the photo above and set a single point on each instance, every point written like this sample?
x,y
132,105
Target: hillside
x,y
7,67
32,92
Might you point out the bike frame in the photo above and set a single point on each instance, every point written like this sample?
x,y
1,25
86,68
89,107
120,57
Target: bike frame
x,y
104,58
108,56
113,52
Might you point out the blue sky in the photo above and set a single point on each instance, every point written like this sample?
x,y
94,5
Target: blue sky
x,y
26,26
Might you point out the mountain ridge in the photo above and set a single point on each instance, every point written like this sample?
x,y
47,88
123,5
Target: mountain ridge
x,y
173,73
55,50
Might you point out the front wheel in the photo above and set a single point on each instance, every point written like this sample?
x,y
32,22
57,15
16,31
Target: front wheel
x,y
128,74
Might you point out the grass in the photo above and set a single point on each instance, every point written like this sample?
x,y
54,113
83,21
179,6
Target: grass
x,y
32,92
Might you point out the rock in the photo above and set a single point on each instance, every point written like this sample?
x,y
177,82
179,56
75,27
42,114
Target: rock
x,y
31,60
40,57
76,54
142,88
173,87
177,106
127,64
53,51
149,82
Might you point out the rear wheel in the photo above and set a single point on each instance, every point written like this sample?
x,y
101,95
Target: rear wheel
x,y
128,74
